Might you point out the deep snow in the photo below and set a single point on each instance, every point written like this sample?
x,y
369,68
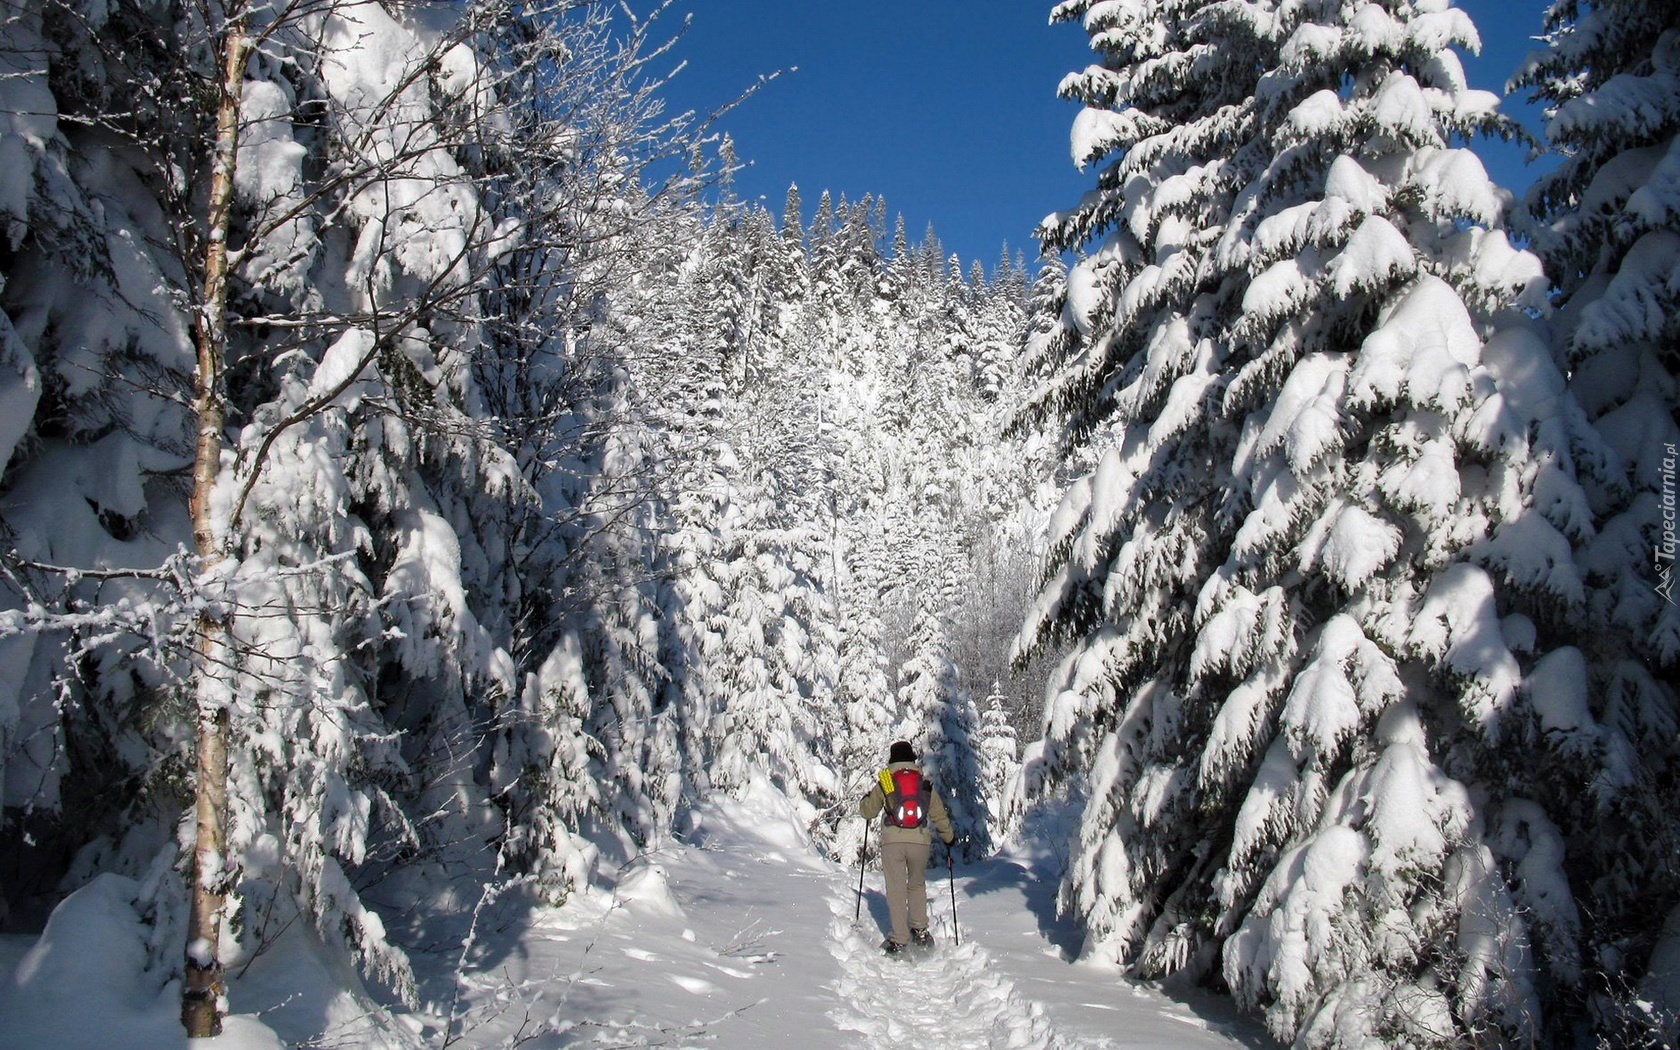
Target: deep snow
x,y
740,935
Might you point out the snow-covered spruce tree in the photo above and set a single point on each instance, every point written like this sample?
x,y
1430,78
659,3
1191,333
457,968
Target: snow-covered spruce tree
x,y
822,252
617,592
998,325
1606,223
793,277
994,491
1045,298
695,594
861,693
812,615
955,755
939,718
93,356
857,264
866,708
775,654
1323,477
999,755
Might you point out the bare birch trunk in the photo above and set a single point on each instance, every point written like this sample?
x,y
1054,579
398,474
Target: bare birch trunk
x,y
202,992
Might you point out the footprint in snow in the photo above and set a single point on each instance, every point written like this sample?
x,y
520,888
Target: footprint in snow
x,y
730,971
693,985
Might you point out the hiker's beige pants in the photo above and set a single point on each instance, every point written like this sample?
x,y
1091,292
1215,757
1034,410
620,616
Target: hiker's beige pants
x,y
905,865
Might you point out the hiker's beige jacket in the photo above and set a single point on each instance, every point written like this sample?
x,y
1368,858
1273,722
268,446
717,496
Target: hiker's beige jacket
x,y
876,800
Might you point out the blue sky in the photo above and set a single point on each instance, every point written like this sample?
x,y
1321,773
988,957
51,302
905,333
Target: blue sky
x,y
948,110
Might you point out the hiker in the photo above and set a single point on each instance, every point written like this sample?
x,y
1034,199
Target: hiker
x,y
910,809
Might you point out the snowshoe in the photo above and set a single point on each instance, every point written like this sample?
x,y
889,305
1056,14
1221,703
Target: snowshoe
x,y
921,938
892,947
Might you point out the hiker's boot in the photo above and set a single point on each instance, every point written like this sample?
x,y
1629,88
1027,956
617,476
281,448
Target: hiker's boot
x,y
891,947
921,938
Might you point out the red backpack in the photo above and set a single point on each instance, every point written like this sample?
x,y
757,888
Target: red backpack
x,y
909,794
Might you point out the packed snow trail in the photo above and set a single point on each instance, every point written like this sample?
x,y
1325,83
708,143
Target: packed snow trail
x,y
947,996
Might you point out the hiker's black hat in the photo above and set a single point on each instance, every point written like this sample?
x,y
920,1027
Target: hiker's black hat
x,y
901,752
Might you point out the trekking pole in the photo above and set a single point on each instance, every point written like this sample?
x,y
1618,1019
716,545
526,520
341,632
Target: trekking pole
x,y
863,856
951,873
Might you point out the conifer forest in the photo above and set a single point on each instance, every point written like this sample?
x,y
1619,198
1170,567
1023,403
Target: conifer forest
x,y
426,485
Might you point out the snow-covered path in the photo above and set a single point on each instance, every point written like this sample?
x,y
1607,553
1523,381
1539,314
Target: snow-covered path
x,y
741,937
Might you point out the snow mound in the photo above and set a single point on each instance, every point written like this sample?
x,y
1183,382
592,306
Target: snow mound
x,y
647,887
84,984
